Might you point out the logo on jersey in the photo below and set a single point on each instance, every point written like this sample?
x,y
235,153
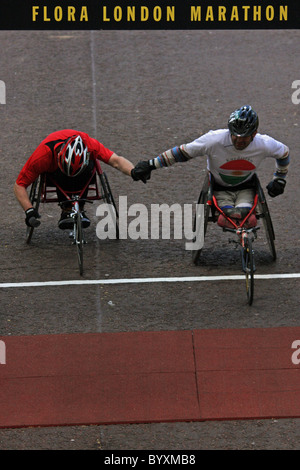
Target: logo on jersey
x,y
236,171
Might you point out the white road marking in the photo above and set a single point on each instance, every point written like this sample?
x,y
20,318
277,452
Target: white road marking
x,y
145,280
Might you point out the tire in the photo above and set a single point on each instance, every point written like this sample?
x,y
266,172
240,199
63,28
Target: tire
x,y
267,223
109,199
248,268
79,242
203,198
35,199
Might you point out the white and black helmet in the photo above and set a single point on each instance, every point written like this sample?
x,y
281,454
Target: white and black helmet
x,y
243,122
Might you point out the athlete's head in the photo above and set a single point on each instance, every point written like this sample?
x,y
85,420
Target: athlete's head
x,y
243,125
73,156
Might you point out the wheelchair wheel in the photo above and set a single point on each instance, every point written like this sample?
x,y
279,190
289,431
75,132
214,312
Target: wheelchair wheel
x,y
79,242
267,222
109,199
248,268
35,199
198,223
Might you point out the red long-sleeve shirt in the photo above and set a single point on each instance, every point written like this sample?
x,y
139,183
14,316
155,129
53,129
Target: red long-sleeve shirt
x,y
44,158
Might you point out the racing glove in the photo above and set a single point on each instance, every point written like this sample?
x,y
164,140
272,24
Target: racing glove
x,y
142,171
32,217
276,187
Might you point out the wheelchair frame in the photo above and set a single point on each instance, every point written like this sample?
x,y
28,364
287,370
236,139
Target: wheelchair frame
x,y
43,190
245,236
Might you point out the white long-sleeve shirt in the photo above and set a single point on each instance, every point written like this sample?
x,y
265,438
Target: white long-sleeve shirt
x,y
229,166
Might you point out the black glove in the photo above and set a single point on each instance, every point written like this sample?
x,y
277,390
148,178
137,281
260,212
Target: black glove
x,y
276,187
32,217
142,171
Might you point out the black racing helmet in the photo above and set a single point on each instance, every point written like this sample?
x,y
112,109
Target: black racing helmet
x,y
243,122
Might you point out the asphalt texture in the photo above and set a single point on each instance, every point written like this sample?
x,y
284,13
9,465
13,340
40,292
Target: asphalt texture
x,y
140,93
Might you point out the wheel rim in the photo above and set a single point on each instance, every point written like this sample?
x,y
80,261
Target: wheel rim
x,y
35,197
79,243
202,200
249,270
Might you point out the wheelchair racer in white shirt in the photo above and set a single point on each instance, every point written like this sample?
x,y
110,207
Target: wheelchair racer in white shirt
x,y
233,157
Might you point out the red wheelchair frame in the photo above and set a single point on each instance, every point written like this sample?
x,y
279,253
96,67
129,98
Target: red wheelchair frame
x,y
234,224
245,235
92,184
43,190
260,205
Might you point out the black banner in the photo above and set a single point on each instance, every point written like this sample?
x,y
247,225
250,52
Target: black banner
x,y
148,14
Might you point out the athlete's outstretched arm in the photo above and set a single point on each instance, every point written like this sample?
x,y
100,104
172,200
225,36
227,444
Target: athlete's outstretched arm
x,y
121,164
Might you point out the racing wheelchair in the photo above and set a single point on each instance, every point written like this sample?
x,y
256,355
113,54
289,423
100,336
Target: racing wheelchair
x,y
244,236
44,190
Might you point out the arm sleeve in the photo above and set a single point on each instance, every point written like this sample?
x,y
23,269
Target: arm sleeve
x,y
183,153
282,165
281,154
171,156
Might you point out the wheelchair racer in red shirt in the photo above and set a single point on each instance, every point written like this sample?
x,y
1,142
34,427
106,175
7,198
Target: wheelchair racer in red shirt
x,y
69,156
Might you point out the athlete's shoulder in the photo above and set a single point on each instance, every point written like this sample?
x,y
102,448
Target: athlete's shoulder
x,y
266,139
217,134
263,138
206,143
63,134
269,143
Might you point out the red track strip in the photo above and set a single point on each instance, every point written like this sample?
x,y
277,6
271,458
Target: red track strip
x,y
144,377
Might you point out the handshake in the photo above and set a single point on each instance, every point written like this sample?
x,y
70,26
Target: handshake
x,y
142,171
